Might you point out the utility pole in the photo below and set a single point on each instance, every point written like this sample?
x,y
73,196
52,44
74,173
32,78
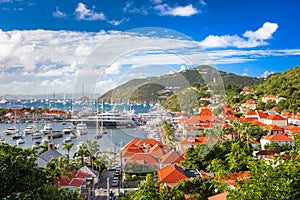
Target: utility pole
x,y
121,170
108,188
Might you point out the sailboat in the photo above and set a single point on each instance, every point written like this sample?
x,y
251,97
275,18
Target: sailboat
x,y
99,133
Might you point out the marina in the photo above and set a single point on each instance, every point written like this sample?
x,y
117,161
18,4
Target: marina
x,y
113,140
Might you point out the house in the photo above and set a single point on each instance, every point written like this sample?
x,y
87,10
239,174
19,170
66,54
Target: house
x,y
294,119
77,181
170,158
279,138
261,116
171,174
144,159
276,119
273,129
193,142
245,90
93,175
248,105
292,130
267,99
263,154
45,157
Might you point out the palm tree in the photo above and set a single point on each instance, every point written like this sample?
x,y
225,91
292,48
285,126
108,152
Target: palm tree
x,y
44,147
82,152
93,148
236,127
67,147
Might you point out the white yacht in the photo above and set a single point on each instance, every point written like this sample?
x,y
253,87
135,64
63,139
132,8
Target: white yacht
x,y
11,131
67,140
30,129
48,129
20,141
112,119
81,129
67,130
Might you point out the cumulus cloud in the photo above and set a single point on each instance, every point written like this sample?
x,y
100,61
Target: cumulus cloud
x,y
182,11
118,22
83,13
251,38
58,14
263,33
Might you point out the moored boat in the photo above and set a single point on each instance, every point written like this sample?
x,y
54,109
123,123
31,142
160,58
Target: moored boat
x,y
81,129
30,129
11,131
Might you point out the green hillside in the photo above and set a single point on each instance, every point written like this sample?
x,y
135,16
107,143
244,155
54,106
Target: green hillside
x,y
284,85
157,89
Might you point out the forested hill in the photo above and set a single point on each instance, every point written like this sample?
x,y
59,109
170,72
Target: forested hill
x,y
157,89
284,85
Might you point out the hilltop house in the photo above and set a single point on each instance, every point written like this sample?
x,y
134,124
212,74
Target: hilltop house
x,y
193,142
280,138
276,119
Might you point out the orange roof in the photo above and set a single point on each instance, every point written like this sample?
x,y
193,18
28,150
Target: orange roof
x,y
250,101
261,114
142,158
149,141
132,142
226,125
292,128
258,123
76,182
275,117
251,113
196,141
273,127
296,116
278,137
171,157
230,118
171,174
156,151
221,196
77,174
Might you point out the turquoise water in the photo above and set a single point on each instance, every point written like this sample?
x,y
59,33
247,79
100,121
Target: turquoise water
x,y
112,141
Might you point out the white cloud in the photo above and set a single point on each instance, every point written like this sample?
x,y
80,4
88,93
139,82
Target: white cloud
x,y
182,11
254,39
118,22
202,2
266,74
130,8
58,14
83,13
182,68
263,33
113,69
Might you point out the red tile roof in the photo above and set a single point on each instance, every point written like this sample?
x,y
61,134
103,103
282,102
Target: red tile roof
x,y
199,140
275,117
261,114
273,127
171,157
77,174
278,137
251,101
142,158
171,174
156,151
148,141
131,143
76,182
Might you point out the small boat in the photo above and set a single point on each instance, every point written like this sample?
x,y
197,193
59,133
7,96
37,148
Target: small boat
x,y
81,129
20,141
64,123
36,145
30,129
79,145
67,140
36,135
17,136
68,130
11,131
56,134
48,129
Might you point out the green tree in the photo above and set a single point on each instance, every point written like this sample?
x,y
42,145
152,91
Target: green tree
x,y
67,147
21,178
268,182
93,149
297,141
146,191
81,153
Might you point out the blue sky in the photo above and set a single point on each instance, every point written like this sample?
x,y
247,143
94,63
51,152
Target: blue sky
x,y
46,43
